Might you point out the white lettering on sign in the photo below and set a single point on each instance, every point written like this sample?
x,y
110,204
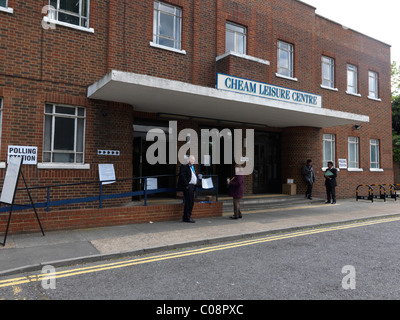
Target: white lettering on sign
x,y
265,90
28,154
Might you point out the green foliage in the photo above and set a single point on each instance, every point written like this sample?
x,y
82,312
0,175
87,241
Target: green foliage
x,y
395,75
395,72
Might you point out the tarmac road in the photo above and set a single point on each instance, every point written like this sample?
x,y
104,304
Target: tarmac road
x,y
359,260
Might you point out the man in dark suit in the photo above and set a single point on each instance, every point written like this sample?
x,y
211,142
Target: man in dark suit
x,y
330,183
187,183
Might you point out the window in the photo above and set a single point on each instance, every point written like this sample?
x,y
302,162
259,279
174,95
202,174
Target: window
x,y
3,3
285,59
328,147
374,152
353,143
352,79
328,72
235,38
64,131
167,25
4,7
373,85
74,12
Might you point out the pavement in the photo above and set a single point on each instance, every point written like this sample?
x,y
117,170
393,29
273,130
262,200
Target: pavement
x,y
262,215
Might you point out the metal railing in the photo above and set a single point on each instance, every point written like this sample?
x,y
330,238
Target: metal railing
x,y
100,197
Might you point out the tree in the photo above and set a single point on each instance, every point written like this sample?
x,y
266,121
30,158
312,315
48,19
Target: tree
x,y
395,72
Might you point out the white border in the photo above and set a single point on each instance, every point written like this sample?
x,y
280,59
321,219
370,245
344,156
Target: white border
x,y
55,165
7,10
69,25
155,45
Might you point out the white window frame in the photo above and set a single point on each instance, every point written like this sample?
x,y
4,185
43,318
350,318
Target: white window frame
x,y
373,92
6,9
49,153
239,35
353,145
177,27
374,143
282,71
328,82
331,140
352,86
54,11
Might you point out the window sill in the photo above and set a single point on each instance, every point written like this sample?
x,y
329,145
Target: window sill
x,y
285,77
64,24
244,56
329,88
52,165
375,99
159,46
355,169
7,10
353,94
375,170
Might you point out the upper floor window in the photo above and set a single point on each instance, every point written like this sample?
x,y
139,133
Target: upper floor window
x,y
352,79
235,38
64,131
3,3
328,72
74,12
285,59
4,6
373,85
167,25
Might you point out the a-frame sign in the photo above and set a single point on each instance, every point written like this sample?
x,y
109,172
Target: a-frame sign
x,y
10,188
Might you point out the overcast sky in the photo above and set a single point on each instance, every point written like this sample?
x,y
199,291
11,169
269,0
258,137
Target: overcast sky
x,y
377,19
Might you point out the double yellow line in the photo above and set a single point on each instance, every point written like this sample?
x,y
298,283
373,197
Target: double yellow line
x,y
137,261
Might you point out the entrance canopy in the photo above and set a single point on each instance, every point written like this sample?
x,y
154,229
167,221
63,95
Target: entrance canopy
x,y
152,94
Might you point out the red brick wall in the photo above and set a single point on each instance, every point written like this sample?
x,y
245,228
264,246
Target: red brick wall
x,y
25,221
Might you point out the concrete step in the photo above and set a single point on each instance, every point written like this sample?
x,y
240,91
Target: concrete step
x,y
253,202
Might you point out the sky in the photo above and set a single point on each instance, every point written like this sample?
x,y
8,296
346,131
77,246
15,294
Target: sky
x,y
377,19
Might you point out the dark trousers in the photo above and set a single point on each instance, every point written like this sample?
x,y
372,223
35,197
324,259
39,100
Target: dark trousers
x,y
188,198
309,190
330,192
236,208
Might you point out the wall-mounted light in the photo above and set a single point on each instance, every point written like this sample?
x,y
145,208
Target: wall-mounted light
x,y
357,127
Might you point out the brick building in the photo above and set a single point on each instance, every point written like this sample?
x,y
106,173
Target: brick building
x,y
83,76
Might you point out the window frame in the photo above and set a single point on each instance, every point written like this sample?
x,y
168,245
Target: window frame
x,y
53,15
237,37
376,144
353,87
331,139
375,92
290,52
325,82
156,26
6,8
353,142
52,151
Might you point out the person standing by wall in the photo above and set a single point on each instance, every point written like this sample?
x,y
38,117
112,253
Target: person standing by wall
x,y
330,183
309,177
187,183
236,190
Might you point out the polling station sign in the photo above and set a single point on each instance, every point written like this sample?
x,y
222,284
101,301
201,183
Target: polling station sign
x,y
28,154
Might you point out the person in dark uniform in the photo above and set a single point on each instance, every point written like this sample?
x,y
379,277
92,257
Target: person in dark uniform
x,y
309,177
330,183
187,182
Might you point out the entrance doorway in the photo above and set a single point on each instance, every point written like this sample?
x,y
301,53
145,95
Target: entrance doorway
x,y
267,163
141,168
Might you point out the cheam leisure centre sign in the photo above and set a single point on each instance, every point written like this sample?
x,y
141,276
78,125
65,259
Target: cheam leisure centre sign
x,y
265,90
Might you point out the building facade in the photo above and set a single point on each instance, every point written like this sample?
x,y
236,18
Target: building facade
x,y
78,77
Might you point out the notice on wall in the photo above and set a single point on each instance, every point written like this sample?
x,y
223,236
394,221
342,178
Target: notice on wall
x,y
151,183
11,180
342,163
106,173
28,154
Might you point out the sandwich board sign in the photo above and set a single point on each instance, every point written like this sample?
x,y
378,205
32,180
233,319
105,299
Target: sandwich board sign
x,y
10,188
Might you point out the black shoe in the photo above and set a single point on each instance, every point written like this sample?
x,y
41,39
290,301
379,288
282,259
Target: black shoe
x,y
326,202
309,198
233,217
188,220
334,202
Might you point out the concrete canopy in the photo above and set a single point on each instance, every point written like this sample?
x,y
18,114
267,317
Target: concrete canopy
x,y
152,94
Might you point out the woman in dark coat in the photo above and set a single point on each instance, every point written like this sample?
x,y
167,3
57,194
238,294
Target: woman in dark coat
x,y
236,190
